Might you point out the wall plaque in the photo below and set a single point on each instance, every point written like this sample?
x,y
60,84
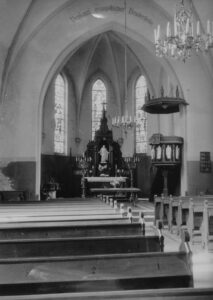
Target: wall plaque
x,y
205,162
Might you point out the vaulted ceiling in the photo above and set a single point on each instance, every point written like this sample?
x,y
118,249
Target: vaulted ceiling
x,y
22,20
105,54
19,20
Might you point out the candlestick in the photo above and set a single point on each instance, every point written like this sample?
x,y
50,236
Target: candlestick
x,y
198,28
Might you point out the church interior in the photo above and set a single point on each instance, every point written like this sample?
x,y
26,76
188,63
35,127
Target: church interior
x,y
106,175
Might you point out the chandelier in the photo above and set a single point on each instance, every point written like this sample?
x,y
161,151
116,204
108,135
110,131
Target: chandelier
x,y
183,40
125,121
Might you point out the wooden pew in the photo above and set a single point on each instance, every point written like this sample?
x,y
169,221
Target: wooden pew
x,y
134,215
195,219
54,223
207,226
173,214
178,213
38,219
151,294
165,211
131,191
14,196
53,211
58,214
95,273
161,207
60,230
195,207
158,208
31,248
183,213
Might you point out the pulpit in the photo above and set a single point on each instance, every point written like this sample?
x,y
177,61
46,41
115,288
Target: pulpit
x,y
166,155
166,151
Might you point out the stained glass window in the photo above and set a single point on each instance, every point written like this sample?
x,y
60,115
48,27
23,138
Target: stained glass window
x,y
141,123
60,111
98,102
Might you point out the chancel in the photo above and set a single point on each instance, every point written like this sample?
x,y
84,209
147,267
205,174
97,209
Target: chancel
x,y
106,117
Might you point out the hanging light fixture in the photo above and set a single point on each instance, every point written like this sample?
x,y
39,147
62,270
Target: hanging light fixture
x,y
182,41
125,121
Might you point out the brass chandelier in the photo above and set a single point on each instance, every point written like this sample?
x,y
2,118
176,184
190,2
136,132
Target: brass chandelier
x,y
182,39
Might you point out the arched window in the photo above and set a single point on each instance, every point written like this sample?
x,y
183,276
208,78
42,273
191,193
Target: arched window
x,y
98,102
60,115
141,123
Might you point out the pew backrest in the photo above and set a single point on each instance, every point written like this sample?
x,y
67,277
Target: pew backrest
x,y
14,196
98,272
31,248
60,230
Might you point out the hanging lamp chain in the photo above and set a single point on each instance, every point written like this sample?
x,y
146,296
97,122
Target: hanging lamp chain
x,y
125,55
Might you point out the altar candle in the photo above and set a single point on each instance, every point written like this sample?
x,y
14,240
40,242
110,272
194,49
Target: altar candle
x,y
198,28
187,26
168,31
208,27
155,36
158,32
175,26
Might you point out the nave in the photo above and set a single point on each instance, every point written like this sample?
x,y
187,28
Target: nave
x,y
95,249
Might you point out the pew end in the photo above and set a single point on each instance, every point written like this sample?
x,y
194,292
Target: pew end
x,y
159,227
173,215
207,227
185,241
157,208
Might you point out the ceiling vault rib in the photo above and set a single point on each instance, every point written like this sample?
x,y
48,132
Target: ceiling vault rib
x,y
12,46
88,60
115,65
85,69
8,65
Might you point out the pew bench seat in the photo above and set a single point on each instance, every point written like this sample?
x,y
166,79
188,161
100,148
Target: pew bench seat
x,y
95,273
147,294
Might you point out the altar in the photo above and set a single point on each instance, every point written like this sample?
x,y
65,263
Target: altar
x,y
116,191
105,179
104,182
104,164
104,154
